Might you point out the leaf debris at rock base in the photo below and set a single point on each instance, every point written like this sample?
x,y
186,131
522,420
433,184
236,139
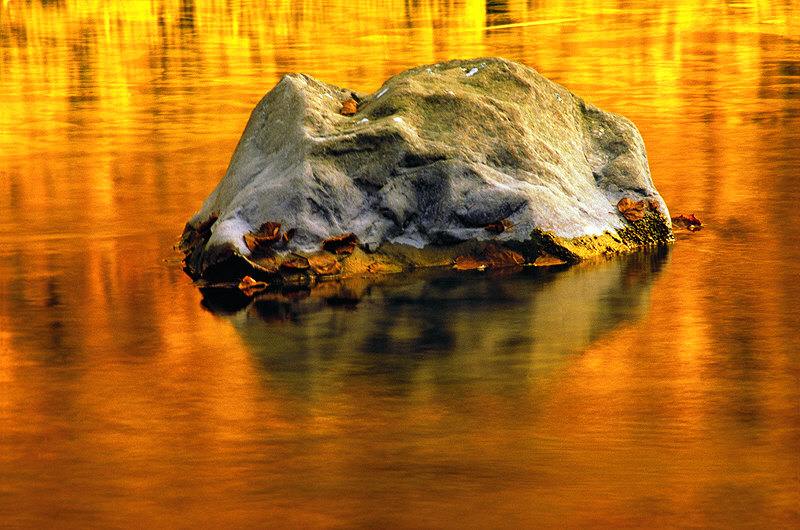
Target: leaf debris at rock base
x,y
631,210
635,210
345,244
296,264
324,264
267,263
262,239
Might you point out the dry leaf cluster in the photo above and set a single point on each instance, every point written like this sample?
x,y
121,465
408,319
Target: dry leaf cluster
x,y
267,235
322,263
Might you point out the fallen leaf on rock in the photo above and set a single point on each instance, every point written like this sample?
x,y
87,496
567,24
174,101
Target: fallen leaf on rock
x,y
324,264
251,242
341,245
349,107
249,286
267,235
288,235
269,230
689,222
498,227
631,210
296,264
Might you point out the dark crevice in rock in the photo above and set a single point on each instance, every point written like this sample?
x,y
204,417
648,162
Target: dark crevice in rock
x,y
414,160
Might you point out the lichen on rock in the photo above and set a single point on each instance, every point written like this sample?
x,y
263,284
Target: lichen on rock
x,y
442,161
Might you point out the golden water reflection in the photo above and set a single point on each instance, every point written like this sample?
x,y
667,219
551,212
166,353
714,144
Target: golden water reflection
x,y
124,402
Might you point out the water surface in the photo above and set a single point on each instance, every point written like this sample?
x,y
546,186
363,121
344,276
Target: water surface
x,y
655,390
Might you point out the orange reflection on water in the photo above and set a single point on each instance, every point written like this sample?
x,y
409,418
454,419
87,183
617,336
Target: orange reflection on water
x,y
124,402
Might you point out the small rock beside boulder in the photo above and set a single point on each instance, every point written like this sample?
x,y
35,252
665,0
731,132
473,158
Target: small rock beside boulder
x,y
480,162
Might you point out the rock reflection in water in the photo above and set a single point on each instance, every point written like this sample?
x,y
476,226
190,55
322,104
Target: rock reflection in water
x,y
393,325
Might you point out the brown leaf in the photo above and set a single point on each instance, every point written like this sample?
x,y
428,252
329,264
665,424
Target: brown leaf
x,y
349,107
288,235
345,244
632,211
689,222
262,239
269,230
498,227
251,242
324,264
296,264
249,286
652,206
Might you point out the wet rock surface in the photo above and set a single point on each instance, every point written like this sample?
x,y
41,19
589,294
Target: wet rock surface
x,y
481,161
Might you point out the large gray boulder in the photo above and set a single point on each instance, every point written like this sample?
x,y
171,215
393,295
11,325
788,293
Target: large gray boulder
x,y
442,161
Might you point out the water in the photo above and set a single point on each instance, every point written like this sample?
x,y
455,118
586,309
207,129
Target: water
x,y
655,390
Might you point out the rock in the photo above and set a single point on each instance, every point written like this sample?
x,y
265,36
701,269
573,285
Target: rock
x,y
442,161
